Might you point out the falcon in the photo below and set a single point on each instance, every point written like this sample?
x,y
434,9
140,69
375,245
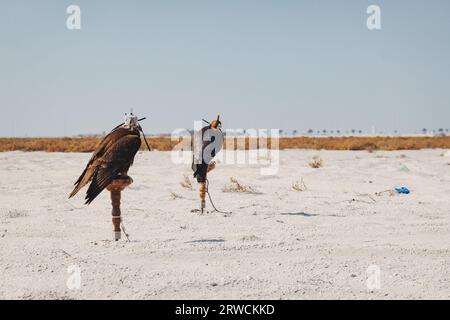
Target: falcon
x,y
112,158
206,144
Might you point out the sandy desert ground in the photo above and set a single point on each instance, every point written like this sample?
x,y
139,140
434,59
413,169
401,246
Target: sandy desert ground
x,y
279,243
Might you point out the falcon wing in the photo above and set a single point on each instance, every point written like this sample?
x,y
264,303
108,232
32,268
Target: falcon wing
x,y
93,163
116,160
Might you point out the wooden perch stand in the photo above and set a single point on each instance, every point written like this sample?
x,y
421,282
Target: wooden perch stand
x,y
116,188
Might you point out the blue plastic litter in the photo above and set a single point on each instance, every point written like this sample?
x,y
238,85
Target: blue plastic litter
x,y
402,190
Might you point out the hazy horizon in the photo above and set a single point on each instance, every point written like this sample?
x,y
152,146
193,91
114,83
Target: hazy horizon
x,y
291,65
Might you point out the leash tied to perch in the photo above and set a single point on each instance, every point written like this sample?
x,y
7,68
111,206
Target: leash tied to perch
x,y
210,199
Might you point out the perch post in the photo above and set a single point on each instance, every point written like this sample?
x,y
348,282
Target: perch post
x,y
116,188
202,196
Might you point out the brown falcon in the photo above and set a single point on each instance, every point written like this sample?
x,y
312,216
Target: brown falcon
x,y
111,159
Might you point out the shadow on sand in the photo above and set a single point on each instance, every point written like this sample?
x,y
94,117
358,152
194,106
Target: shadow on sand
x,y
303,214
207,241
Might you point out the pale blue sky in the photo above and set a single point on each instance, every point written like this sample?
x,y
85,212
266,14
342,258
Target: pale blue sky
x,y
264,64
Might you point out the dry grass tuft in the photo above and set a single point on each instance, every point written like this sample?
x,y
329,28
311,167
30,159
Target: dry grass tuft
x,y
13,214
316,162
299,186
235,186
264,157
186,183
175,196
389,192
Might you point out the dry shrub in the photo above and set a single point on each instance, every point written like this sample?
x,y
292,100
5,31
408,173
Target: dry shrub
x,y
175,196
264,157
186,183
299,186
389,192
316,162
16,214
235,186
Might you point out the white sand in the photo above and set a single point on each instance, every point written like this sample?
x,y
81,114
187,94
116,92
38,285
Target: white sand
x,y
279,244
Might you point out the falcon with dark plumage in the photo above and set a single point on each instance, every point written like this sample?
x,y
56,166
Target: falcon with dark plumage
x,y
111,159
